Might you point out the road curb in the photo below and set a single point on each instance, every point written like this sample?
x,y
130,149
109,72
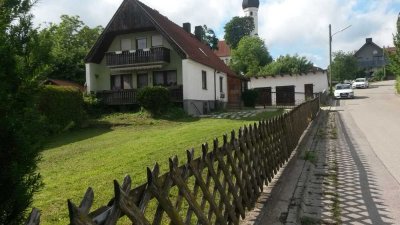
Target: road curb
x,y
297,199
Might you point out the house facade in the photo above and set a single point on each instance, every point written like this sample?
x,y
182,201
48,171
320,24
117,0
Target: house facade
x,y
371,57
289,89
140,47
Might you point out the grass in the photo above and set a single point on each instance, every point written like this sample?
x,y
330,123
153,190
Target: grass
x,y
310,156
114,146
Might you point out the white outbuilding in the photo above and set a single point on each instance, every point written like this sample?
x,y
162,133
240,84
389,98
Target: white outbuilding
x,y
289,89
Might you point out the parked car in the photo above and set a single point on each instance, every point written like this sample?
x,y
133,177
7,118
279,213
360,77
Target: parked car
x,y
344,91
361,83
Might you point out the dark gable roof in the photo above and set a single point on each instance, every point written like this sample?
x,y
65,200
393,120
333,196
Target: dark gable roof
x,y
371,43
183,42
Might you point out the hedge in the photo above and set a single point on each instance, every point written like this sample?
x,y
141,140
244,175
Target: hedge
x,y
156,100
62,106
249,98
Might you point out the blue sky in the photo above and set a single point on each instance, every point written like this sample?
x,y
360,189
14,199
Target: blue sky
x,y
287,26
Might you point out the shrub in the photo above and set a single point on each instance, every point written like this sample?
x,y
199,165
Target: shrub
x,y
93,105
22,130
62,106
378,75
249,98
156,100
398,84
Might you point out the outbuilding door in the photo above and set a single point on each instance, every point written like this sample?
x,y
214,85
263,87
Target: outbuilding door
x,y
264,96
309,91
285,95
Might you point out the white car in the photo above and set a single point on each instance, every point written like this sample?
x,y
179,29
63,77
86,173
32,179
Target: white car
x,y
361,83
344,91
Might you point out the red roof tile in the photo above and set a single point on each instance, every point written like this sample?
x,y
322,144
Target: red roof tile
x,y
223,49
391,49
64,83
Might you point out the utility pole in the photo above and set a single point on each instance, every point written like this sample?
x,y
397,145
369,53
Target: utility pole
x,y
330,60
330,55
384,63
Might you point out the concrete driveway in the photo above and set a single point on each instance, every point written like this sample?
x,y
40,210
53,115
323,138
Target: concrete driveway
x,y
370,126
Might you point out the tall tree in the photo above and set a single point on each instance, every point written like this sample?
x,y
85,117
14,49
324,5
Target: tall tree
x,y
207,36
237,28
70,41
287,65
210,38
20,123
394,65
344,66
250,55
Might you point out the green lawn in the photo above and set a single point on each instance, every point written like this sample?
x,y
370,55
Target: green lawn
x,y
96,156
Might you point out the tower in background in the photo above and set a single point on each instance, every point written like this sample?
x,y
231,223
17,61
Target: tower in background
x,y
250,8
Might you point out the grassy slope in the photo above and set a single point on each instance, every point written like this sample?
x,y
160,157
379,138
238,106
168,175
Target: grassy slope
x,y
96,156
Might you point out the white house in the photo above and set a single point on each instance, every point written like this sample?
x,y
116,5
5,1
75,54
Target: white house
x,y
289,89
140,47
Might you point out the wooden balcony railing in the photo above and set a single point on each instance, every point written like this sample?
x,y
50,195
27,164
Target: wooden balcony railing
x,y
120,97
158,55
128,97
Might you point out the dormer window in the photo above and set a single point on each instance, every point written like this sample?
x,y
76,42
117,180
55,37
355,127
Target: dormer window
x,y
141,43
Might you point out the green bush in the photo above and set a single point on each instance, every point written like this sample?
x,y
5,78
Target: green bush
x,y
156,100
22,130
398,84
249,98
378,75
63,107
92,105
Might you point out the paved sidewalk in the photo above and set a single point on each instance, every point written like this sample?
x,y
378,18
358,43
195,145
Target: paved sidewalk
x,y
339,186
243,114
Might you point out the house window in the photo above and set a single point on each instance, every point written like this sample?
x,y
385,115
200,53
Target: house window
x,y
156,40
121,82
141,43
142,80
165,78
221,84
126,44
204,79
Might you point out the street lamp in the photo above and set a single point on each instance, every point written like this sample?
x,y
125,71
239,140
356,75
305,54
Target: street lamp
x,y
330,54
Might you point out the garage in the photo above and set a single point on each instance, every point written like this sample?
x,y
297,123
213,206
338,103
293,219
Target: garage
x,y
285,95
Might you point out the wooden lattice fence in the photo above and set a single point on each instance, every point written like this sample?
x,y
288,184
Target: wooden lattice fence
x,y
216,188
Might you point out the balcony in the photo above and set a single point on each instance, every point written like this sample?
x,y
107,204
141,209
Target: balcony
x,y
152,56
129,97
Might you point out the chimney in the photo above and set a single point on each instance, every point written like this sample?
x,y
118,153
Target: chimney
x,y
369,40
187,27
198,33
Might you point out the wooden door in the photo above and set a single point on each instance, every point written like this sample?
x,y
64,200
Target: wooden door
x,y
264,97
285,95
309,91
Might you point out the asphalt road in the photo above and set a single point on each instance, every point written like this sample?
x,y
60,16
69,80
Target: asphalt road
x,y
370,127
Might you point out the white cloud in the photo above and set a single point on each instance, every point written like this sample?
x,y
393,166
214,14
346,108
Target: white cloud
x,y
302,26
287,26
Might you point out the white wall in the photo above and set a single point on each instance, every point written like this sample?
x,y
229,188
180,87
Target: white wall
x,y
318,79
192,82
